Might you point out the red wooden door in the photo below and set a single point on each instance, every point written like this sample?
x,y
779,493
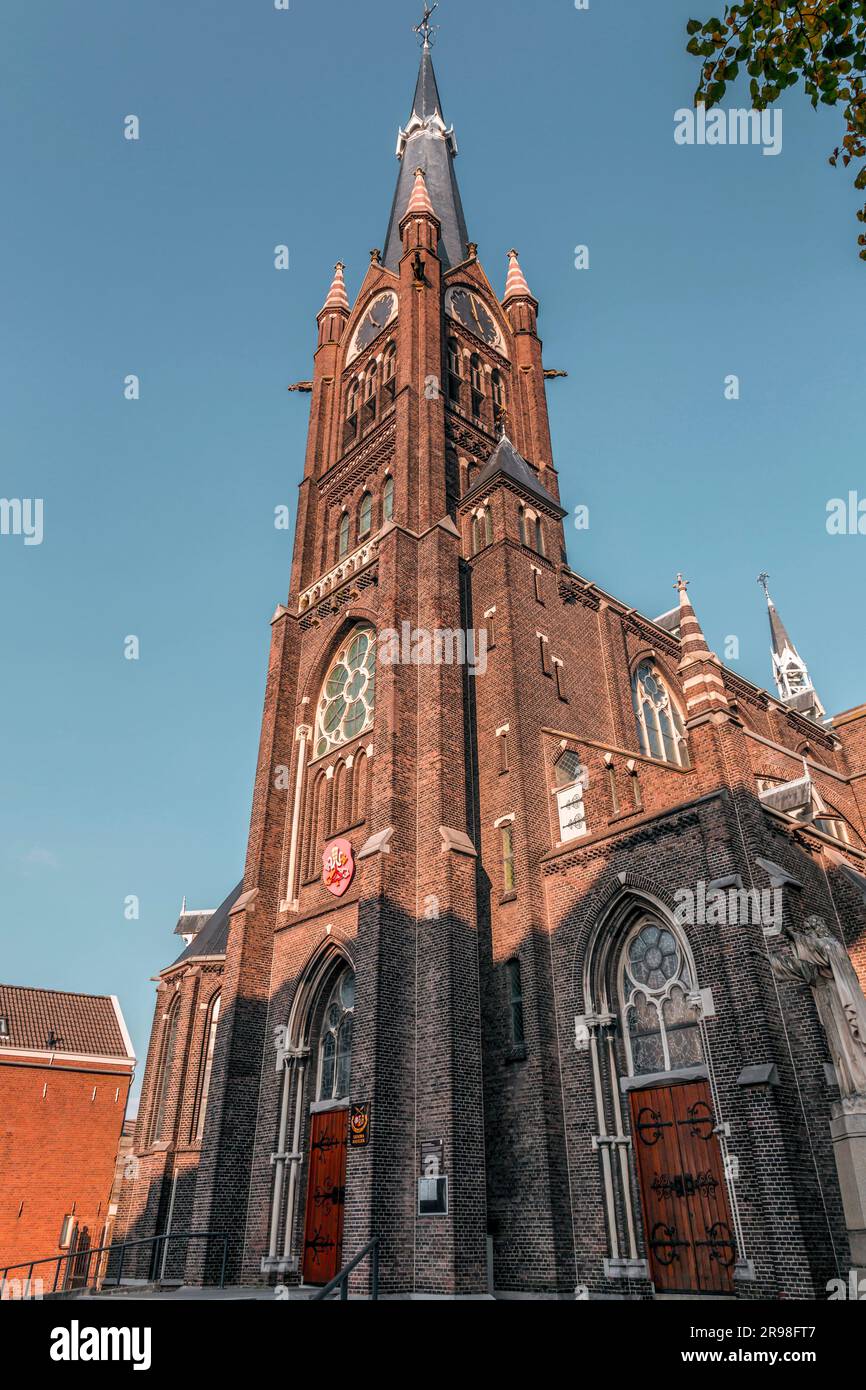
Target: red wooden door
x,y
691,1243
326,1197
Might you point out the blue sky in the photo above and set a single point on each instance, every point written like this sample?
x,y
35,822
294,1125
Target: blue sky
x,y
261,127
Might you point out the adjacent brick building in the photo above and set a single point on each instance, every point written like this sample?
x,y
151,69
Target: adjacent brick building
x,y
466,1004
66,1064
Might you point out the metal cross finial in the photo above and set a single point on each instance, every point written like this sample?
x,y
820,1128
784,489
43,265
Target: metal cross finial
x,y
425,30
764,581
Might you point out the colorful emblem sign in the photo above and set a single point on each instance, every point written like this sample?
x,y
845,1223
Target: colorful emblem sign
x,y
338,867
359,1126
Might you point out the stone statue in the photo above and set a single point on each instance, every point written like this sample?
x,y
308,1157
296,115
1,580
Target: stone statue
x,y
820,960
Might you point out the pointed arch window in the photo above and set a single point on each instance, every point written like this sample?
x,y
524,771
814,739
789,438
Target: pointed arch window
x,y
343,536
539,536
388,499
352,397
660,1026
166,1067
515,1001
476,373
660,725
365,515
482,529
206,1067
335,1041
371,386
455,375
389,369
497,390
347,702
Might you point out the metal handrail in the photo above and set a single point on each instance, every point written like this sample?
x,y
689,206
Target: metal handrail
x,y
341,1280
73,1256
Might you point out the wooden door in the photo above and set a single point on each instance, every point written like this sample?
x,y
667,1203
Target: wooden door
x,y
691,1243
326,1197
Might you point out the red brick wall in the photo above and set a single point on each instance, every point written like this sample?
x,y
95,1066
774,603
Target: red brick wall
x,y
57,1153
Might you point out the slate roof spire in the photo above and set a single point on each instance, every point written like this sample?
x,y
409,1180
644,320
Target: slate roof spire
x,y
427,143
506,462
790,671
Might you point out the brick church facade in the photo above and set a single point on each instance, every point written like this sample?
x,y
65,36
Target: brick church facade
x,y
497,987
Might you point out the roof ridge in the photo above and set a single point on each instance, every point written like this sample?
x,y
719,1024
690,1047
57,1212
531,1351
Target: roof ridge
x,y
69,993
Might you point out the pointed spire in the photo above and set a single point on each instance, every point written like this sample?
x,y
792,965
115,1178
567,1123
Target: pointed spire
x,y
506,462
703,686
790,671
338,300
516,286
692,639
420,199
427,142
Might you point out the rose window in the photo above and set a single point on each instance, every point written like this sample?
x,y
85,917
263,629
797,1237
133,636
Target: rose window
x,y
348,697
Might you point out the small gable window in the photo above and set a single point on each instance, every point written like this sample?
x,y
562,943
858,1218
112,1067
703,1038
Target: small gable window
x,y
571,778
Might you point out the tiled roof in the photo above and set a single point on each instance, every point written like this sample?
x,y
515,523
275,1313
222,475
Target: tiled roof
x,y
48,1020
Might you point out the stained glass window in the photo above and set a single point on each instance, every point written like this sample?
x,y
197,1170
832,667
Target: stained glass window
x,y
335,1040
661,1026
660,724
348,696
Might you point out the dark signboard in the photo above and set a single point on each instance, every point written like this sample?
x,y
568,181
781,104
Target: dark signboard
x,y
359,1126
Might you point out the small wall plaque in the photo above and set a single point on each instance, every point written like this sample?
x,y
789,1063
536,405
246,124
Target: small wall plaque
x,y
359,1126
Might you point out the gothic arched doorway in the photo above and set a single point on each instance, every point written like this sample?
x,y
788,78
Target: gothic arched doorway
x,y
655,1099
326,1170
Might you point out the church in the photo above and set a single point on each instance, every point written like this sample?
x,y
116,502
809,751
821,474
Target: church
x,y
544,976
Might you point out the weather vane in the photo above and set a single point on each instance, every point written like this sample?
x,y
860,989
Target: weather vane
x,y
764,581
425,30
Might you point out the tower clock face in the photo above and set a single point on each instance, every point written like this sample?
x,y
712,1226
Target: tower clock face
x,y
472,312
377,316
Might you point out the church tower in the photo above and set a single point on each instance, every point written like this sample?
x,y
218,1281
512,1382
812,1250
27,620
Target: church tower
x,y
354,950
790,671
497,1001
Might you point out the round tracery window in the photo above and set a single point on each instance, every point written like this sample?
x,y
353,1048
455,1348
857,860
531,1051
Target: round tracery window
x,y
653,958
335,1042
348,698
662,1030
